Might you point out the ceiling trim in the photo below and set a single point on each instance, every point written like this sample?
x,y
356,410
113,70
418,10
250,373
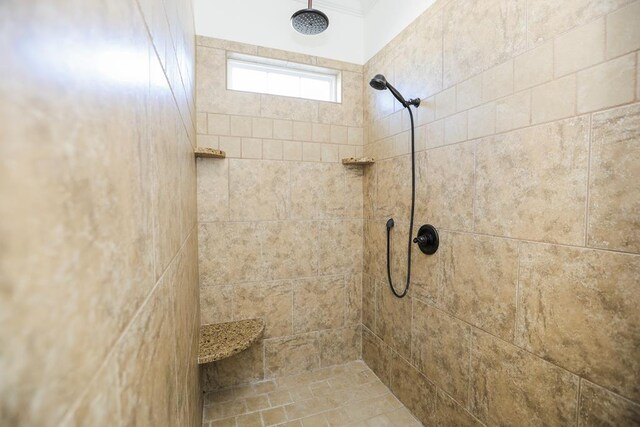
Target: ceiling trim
x,y
353,7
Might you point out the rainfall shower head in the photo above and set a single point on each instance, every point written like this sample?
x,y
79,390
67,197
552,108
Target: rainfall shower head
x,y
309,21
379,82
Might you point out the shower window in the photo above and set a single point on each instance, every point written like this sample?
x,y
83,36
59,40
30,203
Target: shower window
x,y
262,75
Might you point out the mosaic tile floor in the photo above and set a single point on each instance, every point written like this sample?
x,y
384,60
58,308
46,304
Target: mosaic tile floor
x,y
345,395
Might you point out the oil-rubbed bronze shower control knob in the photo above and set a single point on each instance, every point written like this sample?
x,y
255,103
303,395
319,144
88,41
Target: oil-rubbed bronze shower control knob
x,y
427,240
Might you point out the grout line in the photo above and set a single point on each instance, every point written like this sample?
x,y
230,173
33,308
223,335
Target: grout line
x,y
578,394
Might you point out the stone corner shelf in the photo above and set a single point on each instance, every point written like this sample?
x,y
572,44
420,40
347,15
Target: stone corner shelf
x,y
358,161
211,153
221,340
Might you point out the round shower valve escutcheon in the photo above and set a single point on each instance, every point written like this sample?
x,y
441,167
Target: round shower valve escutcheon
x,y
428,239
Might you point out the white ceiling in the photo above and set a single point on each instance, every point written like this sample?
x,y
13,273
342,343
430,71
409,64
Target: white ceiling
x,y
358,28
352,7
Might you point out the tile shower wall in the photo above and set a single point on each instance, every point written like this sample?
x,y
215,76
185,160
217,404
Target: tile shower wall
x,y
98,289
280,220
528,164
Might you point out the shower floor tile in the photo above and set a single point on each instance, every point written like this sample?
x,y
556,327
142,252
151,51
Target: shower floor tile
x,y
345,395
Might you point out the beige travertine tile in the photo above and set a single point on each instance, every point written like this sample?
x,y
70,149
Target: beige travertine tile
x,y
218,124
600,407
450,413
418,63
213,190
311,152
89,228
258,190
285,108
257,403
272,149
250,420
393,193
346,151
482,121
554,100
201,124
271,301
340,247
302,131
548,18
330,153
479,280
426,113
376,355
455,128
210,141
319,303
231,145
446,175
212,95
393,316
317,191
353,283
225,253
368,301
607,84
286,55
355,136
579,48
533,67
434,134
339,346
291,355
614,198
446,103
240,126
566,294
283,129
320,132
440,349
251,148
497,81
146,375
513,112
289,249
292,150
413,389
274,416
480,35
623,35
354,203
351,111
375,248
216,304
242,368
262,128
511,387
339,134
544,168
101,402
469,93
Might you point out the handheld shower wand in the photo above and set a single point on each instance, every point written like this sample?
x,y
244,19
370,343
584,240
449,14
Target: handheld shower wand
x,y
427,238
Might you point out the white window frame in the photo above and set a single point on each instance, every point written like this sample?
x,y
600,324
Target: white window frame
x,y
248,62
